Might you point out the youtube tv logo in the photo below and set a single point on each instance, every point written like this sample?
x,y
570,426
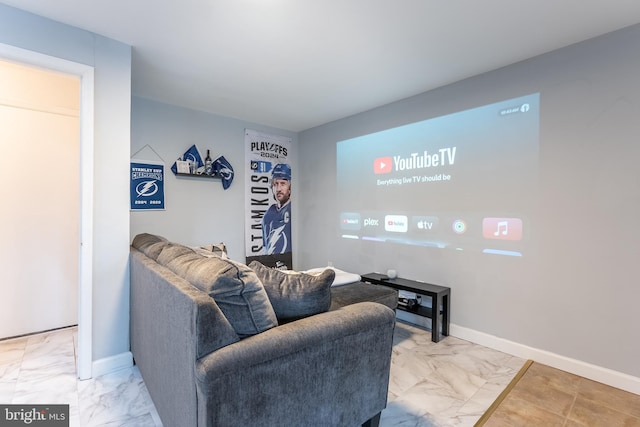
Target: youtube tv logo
x,y
382,165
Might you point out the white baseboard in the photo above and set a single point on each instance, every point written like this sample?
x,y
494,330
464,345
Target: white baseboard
x,y
593,372
596,373
110,364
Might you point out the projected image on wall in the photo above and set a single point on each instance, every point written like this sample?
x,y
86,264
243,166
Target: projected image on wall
x,y
464,181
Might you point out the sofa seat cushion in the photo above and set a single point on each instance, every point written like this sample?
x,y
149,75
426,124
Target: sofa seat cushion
x,y
235,287
352,293
295,295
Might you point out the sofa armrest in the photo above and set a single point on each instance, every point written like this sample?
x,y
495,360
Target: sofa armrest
x,y
327,369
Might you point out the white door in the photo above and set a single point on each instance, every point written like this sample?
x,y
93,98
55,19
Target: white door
x,y
40,194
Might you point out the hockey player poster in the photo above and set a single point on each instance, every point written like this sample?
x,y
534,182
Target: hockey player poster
x,y
268,199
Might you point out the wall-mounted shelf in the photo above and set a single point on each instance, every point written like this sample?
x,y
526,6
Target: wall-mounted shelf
x,y
195,175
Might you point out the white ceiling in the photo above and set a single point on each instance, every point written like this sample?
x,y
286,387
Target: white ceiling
x,y
297,64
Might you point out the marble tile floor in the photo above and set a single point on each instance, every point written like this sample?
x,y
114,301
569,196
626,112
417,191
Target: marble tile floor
x,y
450,383
41,369
445,384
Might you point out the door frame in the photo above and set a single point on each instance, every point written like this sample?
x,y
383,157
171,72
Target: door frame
x,y
85,263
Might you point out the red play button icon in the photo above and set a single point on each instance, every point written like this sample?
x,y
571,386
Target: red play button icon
x,y
382,165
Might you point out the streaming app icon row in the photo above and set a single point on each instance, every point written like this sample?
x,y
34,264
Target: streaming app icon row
x,y
492,227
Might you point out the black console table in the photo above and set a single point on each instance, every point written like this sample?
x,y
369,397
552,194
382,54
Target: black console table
x,y
439,298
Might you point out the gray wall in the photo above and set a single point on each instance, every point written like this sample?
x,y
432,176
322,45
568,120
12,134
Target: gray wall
x,y
576,295
112,99
197,211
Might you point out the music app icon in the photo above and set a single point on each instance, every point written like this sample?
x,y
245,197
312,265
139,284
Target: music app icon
x,y
502,228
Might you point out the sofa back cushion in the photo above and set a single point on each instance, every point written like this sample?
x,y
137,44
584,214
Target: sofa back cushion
x,y
235,287
149,244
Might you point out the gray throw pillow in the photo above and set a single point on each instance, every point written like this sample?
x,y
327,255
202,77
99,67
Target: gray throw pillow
x,y
295,295
235,287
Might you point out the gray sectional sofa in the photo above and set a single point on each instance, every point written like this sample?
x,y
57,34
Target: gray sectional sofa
x,y
213,351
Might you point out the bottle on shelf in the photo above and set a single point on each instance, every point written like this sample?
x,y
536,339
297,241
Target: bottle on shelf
x,y
208,164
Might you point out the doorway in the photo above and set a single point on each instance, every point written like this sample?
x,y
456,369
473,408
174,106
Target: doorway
x,y
40,191
83,239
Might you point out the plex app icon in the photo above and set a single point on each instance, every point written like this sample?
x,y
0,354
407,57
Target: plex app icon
x,y
382,165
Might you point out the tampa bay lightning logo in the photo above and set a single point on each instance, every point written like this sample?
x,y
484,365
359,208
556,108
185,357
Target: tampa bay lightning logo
x,y
225,172
147,188
278,241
